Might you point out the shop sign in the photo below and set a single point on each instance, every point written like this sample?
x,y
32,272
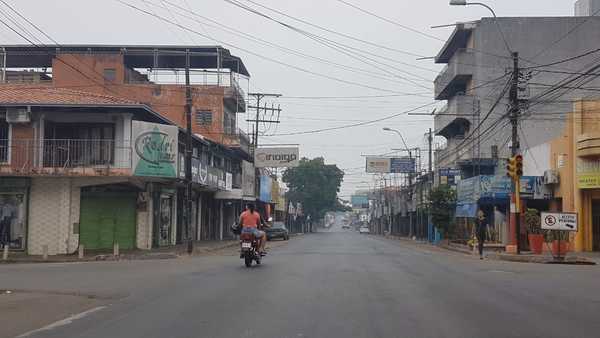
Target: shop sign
x,y
276,157
266,183
248,179
564,221
181,166
214,175
449,176
203,173
155,149
588,173
588,181
467,191
196,170
228,181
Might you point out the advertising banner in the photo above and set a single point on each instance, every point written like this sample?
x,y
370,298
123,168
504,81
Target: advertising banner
x,y
265,188
248,180
228,181
378,165
155,149
276,157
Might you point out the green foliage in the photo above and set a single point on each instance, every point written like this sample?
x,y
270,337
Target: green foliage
x,y
314,184
443,204
533,221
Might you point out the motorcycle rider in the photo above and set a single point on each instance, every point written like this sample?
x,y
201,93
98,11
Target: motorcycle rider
x,y
249,221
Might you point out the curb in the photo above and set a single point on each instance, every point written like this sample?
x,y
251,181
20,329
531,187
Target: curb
x,y
573,260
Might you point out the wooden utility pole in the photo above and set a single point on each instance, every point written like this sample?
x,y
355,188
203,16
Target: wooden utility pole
x,y
259,97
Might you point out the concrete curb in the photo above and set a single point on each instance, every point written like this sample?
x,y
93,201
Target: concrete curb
x,y
529,258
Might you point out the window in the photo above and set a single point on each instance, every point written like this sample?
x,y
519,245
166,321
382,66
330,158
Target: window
x,y
110,75
204,118
4,141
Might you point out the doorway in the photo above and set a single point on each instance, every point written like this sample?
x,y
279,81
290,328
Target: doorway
x,y
596,224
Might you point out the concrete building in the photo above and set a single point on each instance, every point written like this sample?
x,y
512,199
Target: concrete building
x,y
145,78
478,69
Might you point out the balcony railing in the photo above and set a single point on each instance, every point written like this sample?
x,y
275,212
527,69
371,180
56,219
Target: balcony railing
x,y
65,156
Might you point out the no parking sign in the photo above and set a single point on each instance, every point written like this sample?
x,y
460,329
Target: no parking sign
x,y
564,221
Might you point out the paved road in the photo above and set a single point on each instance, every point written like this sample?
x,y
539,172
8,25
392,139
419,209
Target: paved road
x,y
325,285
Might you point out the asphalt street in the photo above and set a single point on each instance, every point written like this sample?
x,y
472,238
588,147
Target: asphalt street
x,y
334,284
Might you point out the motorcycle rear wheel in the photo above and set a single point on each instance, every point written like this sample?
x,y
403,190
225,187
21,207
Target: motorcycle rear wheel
x,y
248,261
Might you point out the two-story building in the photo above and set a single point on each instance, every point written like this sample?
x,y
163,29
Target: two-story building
x,y
78,122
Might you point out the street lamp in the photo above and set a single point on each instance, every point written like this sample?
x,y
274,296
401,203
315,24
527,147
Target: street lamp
x,y
402,138
465,3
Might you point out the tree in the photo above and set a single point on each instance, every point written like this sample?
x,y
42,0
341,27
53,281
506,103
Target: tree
x,y
443,204
314,184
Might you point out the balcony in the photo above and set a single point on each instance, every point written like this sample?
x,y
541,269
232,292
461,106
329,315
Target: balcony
x,y
65,157
455,118
454,77
234,96
588,145
239,141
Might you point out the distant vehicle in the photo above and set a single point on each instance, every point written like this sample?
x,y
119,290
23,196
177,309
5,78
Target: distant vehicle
x,y
345,226
277,230
363,230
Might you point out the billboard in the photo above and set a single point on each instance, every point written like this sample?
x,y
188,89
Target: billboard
x,y
359,201
154,149
378,165
276,157
404,165
385,165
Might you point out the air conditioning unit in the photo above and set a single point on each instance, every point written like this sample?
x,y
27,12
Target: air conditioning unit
x,y
18,115
550,177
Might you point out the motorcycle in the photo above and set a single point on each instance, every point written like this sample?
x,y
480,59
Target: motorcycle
x,y
249,247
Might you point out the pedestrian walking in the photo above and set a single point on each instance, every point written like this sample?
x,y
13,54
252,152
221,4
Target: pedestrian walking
x,y
480,231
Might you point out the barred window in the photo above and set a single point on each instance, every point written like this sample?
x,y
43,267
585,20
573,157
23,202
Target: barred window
x,y
204,118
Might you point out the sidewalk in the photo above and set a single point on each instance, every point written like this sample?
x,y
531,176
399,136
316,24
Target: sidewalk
x,y
496,252
171,252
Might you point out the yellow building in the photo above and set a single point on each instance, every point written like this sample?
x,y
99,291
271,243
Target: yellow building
x,y
575,156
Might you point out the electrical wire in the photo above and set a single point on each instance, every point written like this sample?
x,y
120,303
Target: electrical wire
x,y
260,55
236,32
237,3
395,23
335,45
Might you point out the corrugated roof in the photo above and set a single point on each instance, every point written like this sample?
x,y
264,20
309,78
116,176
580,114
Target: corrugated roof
x,y
50,96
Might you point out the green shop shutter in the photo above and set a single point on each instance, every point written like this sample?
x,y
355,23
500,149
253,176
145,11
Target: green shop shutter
x,y
106,218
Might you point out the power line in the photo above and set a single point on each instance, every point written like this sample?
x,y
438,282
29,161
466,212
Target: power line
x,y
259,55
593,51
389,21
335,45
576,27
236,32
356,124
237,3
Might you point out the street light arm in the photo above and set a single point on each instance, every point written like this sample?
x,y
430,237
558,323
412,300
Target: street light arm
x,y
484,5
464,3
403,141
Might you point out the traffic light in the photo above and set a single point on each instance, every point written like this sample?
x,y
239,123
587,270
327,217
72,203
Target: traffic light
x,y
514,167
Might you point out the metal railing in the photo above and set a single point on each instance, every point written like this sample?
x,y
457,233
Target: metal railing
x,y
37,156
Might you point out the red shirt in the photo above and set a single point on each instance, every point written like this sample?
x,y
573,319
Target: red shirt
x,y
250,220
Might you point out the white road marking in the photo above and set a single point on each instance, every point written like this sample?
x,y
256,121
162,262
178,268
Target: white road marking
x,y
62,322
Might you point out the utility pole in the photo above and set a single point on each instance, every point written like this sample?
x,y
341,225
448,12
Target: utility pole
x,y
259,97
430,142
514,119
188,154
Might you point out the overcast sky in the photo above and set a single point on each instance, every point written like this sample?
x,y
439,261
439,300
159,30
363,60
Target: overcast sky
x,y
110,22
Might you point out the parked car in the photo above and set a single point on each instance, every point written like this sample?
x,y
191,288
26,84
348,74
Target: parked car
x,y
363,230
278,230
345,226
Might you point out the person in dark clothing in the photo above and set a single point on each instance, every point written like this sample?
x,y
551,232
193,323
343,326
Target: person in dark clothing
x,y
480,231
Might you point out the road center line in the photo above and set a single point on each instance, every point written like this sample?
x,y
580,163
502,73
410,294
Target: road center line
x,y
62,322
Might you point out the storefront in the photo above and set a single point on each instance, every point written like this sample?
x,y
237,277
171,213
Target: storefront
x,y
13,212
